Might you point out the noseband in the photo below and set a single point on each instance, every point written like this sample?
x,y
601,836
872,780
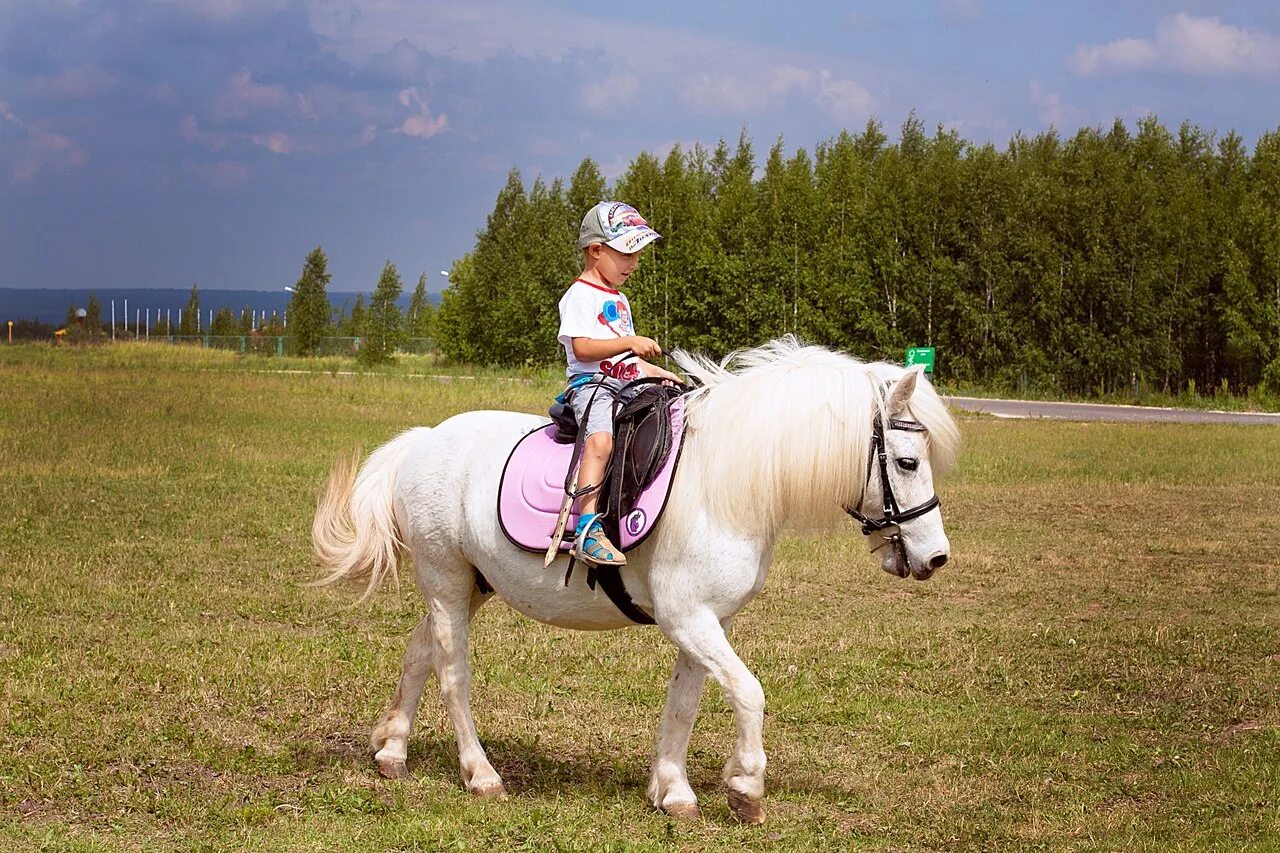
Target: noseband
x,y
889,525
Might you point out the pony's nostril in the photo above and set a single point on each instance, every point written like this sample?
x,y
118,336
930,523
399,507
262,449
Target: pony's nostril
x,y
937,561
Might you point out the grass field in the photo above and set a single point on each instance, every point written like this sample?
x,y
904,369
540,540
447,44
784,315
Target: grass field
x,y
1097,668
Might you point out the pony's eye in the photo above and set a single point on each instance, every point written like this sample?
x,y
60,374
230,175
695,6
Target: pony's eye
x,y
906,463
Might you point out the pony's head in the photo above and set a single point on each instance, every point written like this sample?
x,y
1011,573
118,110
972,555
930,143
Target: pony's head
x,y
786,436
898,508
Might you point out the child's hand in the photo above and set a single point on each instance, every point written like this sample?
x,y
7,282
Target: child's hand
x,y
644,347
667,377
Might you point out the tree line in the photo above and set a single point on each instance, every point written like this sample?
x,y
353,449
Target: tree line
x,y
1085,264
380,325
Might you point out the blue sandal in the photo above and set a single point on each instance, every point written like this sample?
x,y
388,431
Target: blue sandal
x,y
591,545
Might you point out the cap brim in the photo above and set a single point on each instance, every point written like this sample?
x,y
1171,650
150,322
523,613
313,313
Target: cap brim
x,y
633,241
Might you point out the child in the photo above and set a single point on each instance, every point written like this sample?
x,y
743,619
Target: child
x,y
595,327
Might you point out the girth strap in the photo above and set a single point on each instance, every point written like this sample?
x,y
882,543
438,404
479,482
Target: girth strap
x,y
610,580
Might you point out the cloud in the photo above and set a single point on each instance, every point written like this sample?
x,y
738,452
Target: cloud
x,y
242,96
1186,45
723,93
73,84
420,123
191,131
667,61
223,11
39,150
276,142
744,93
1049,106
844,99
610,93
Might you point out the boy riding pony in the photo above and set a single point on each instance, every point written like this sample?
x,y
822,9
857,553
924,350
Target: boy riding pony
x,y
596,327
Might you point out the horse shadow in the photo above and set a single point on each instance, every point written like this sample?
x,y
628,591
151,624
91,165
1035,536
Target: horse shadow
x,y
532,766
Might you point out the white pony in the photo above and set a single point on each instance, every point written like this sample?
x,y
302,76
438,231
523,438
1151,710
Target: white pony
x,y
778,437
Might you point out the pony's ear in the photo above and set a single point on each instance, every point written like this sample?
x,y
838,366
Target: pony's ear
x,y
902,391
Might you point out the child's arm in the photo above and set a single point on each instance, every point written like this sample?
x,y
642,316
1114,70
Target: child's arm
x,y
653,370
594,349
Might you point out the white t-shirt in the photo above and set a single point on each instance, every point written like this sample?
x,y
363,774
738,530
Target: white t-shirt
x,y
590,310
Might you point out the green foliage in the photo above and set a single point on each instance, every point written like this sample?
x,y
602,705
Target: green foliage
x,y
190,322
309,312
417,323
30,330
1114,260
353,325
383,328
225,323
273,326
93,315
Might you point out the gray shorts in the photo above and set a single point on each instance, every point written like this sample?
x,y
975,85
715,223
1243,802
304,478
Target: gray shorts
x,y
607,391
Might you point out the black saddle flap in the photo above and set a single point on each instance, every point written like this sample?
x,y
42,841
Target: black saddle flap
x,y
642,442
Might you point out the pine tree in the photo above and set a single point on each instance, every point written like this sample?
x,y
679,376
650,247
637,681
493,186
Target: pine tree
x,y
246,321
225,323
481,317
191,313
93,315
384,321
309,310
417,323
357,323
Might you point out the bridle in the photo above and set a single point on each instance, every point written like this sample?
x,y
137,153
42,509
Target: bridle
x,y
889,525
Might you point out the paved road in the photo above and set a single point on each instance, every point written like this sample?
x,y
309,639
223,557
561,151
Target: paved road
x,y
1099,412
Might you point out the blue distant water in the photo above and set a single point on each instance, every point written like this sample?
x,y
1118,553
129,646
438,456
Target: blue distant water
x,y
50,306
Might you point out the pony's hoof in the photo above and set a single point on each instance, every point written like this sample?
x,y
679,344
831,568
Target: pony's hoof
x,y
750,812
392,768
490,791
684,811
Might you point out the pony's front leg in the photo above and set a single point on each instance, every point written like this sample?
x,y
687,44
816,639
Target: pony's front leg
x,y
701,636
669,788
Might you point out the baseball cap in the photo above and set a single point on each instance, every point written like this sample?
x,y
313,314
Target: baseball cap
x,y
617,225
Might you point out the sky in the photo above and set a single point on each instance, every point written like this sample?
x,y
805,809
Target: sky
x,y
156,143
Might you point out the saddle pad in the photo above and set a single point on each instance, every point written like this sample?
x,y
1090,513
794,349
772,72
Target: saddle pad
x,y
532,490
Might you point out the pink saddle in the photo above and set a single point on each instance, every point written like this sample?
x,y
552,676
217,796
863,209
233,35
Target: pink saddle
x,y
532,490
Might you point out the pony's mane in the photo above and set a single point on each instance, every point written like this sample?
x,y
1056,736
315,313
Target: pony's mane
x,y
782,434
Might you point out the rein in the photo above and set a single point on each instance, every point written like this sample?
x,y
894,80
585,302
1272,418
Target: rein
x,y
889,525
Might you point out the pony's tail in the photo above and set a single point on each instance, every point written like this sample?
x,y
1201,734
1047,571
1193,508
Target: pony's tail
x,y
355,534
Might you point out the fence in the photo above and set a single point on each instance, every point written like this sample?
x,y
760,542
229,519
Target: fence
x,y
284,344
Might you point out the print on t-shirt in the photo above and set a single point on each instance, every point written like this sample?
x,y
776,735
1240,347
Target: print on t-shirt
x,y
588,310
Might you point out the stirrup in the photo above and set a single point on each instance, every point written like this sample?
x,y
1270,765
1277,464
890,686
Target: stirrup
x,y
591,545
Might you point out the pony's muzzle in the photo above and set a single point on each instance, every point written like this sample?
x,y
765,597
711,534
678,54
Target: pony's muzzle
x,y
931,565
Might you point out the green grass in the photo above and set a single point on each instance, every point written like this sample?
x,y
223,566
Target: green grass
x,y
1096,669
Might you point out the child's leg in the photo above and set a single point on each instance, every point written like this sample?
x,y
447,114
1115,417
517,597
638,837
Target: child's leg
x,y
595,454
591,542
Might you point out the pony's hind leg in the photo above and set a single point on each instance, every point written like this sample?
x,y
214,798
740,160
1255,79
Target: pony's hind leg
x,y
451,600
390,739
